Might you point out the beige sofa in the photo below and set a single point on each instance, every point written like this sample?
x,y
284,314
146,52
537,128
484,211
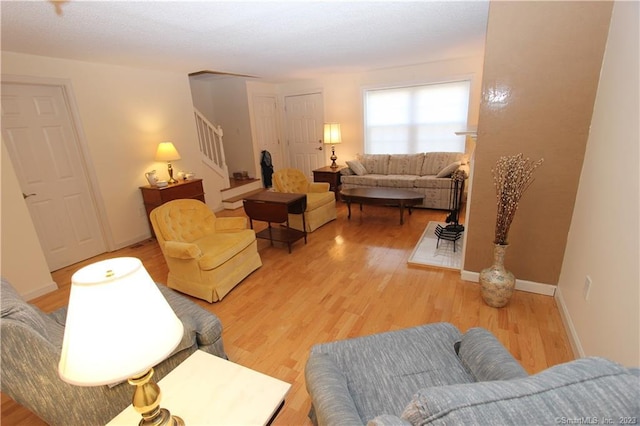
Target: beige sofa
x,y
427,173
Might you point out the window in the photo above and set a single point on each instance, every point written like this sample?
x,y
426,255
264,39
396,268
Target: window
x,y
409,120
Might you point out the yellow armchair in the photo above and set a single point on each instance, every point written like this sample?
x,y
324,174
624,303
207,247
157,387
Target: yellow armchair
x,y
321,203
207,255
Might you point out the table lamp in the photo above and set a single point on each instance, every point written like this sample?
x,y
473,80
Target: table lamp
x,y
167,152
119,325
332,136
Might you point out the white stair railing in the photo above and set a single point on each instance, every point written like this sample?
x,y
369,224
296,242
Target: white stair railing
x,y
211,147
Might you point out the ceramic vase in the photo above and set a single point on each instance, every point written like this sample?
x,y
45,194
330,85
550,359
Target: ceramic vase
x,y
496,283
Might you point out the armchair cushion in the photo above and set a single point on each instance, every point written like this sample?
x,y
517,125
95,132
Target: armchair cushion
x,y
318,187
291,181
181,250
220,247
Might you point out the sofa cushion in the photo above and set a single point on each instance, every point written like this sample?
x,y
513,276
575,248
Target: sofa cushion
x,y
432,182
448,169
365,180
357,167
405,164
434,162
397,181
486,358
375,163
590,387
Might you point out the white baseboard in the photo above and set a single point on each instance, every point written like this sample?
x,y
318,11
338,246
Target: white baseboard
x,y
47,288
572,334
523,285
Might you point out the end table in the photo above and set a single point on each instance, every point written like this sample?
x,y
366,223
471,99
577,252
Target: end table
x,y
331,176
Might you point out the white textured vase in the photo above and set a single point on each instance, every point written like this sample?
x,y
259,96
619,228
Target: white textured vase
x,y
496,283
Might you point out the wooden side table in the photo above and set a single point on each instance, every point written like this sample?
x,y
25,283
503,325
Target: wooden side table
x,y
152,196
207,390
331,176
269,206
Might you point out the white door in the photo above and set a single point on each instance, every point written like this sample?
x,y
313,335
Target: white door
x,y
304,120
40,136
266,126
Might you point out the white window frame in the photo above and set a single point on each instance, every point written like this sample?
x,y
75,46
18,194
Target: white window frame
x,y
447,142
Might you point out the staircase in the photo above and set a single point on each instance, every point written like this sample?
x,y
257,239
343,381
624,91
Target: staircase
x,y
210,138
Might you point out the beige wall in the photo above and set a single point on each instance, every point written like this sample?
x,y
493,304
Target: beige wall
x,y
605,226
343,94
124,113
541,68
22,262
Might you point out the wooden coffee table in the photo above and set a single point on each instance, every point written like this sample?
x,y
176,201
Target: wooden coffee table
x,y
382,196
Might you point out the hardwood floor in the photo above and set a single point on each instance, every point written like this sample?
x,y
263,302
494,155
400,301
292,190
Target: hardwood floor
x,y
350,279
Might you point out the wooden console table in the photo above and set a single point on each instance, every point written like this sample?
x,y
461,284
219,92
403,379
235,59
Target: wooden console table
x,y
153,196
274,207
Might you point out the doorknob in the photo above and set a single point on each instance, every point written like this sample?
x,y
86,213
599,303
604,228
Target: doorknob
x,y
319,148
25,196
320,142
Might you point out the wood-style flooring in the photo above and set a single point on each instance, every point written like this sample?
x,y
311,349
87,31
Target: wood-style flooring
x,y
350,279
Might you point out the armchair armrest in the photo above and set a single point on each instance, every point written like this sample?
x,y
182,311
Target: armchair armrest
x,y
318,187
333,404
180,250
486,358
230,223
205,324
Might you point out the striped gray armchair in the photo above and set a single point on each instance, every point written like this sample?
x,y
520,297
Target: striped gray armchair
x,y
30,349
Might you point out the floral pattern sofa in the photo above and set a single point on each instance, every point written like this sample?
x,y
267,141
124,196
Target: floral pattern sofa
x,y
427,173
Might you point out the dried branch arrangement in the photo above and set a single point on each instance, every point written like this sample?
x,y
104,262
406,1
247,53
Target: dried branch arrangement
x,y
512,176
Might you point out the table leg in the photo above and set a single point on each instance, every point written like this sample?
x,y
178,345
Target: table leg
x,y
401,213
348,208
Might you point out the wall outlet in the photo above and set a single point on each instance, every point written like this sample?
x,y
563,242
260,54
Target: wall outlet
x,y
587,287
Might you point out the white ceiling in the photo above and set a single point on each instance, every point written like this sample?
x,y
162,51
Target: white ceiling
x,y
269,39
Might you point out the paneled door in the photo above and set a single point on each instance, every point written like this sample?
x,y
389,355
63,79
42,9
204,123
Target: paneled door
x,y
40,137
266,126
304,121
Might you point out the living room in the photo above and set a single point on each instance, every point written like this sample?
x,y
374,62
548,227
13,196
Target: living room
x,y
125,110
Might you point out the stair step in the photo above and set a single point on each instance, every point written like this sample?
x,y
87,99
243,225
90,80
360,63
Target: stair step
x,y
235,202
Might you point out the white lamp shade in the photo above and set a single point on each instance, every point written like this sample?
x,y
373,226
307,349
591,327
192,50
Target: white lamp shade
x,y
167,152
118,324
332,133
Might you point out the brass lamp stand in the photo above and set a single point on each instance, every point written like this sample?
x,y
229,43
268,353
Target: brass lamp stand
x,y
146,401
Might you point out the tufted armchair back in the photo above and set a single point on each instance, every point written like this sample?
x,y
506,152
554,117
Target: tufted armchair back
x,y
291,180
184,220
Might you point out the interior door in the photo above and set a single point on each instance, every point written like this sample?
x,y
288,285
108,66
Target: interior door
x,y
266,126
304,121
40,137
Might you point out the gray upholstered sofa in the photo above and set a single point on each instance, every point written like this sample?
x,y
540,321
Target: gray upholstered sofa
x,y
427,173
433,374
30,348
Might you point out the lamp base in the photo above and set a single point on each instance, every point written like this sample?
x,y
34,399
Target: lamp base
x,y
162,417
333,158
170,170
146,401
